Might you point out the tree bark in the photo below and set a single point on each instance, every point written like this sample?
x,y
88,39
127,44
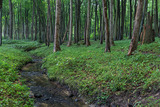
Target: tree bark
x,y
156,18
57,26
130,34
11,20
88,24
26,23
143,17
134,41
95,24
70,26
33,15
111,23
1,4
48,23
0,26
107,41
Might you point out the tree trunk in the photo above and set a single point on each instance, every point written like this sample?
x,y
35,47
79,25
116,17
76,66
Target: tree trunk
x,y
130,34
148,32
35,38
5,26
156,18
1,4
0,26
111,23
107,47
33,15
57,26
18,26
134,41
11,20
88,24
70,26
26,22
48,23
95,24
143,17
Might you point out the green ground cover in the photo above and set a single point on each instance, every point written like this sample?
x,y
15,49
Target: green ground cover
x,y
13,93
95,74
99,75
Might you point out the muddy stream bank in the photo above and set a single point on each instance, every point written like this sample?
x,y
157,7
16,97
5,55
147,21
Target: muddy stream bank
x,y
45,92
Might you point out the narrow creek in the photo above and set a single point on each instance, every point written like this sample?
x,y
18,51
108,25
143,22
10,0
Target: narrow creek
x,y
45,92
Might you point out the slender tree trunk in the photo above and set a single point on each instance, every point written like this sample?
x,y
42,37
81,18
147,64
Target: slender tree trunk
x,y
134,41
130,34
57,26
40,28
143,17
111,23
1,4
34,5
0,26
107,47
156,18
11,20
102,31
135,8
26,22
33,15
119,20
88,24
18,26
5,26
48,23
95,25
70,27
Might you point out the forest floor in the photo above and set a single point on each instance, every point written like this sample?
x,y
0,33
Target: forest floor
x,y
101,78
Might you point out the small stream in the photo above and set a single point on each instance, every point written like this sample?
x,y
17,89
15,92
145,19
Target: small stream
x,y
45,92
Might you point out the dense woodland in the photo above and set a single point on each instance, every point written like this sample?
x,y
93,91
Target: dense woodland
x,y
73,37
73,21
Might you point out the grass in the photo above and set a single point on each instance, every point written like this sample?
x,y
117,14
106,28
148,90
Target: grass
x,y
98,75
13,93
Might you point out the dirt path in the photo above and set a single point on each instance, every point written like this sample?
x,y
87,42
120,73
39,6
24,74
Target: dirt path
x,y
47,93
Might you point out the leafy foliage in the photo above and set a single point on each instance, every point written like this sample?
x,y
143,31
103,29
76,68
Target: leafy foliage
x,y
12,91
99,75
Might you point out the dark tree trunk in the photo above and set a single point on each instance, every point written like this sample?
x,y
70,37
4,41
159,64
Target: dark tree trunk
x,y
156,18
48,23
18,26
95,25
107,47
33,15
111,23
26,23
148,33
143,17
5,26
57,26
11,20
70,26
102,31
119,20
88,24
134,41
0,26
1,4
35,38
130,34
